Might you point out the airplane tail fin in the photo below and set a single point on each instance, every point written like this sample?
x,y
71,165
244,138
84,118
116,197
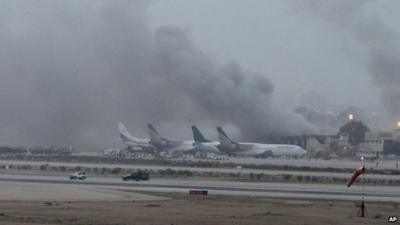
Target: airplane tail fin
x,y
198,136
124,134
223,138
153,133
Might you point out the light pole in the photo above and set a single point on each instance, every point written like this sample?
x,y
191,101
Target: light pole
x,y
362,213
359,171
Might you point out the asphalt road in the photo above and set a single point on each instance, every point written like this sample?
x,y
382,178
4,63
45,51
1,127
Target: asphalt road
x,y
291,190
222,170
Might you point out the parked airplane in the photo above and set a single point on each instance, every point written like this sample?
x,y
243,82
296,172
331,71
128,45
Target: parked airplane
x,y
202,144
256,149
167,144
131,141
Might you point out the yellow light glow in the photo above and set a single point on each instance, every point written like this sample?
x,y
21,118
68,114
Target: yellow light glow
x,y
351,116
398,124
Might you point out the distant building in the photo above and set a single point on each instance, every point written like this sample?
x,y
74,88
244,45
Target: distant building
x,y
396,134
372,147
343,146
315,145
380,143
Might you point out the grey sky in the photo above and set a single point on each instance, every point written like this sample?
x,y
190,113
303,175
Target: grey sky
x,y
70,70
299,53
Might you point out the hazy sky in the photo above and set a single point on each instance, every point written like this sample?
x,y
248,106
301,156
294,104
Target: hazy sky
x,y
70,70
298,52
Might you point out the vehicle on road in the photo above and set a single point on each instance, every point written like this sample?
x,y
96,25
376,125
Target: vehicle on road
x,y
137,176
79,175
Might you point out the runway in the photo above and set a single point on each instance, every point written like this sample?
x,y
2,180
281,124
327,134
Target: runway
x,y
291,190
222,170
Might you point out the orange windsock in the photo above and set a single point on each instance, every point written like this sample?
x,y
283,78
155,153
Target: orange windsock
x,y
356,173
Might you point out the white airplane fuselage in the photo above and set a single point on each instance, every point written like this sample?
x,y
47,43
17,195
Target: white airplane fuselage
x,y
257,149
207,147
183,146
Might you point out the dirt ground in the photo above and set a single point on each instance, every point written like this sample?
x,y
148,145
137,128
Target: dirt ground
x,y
180,209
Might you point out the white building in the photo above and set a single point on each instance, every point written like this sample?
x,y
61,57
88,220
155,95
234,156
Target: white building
x,y
372,147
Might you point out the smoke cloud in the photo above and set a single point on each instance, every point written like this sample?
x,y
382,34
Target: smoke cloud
x,y
380,42
71,69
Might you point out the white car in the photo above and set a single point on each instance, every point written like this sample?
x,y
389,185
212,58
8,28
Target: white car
x,y
79,175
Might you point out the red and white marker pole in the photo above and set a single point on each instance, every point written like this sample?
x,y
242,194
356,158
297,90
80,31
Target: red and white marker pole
x,y
363,184
359,171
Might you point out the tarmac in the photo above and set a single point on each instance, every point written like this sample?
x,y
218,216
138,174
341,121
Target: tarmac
x,y
28,187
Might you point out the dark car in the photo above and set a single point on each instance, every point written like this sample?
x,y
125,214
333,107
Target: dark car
x,y
137,176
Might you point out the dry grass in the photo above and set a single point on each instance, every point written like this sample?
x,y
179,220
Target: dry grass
x,y
193,210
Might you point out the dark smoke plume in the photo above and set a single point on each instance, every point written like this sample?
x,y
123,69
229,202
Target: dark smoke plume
x,y
375,36
329,123
71,69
